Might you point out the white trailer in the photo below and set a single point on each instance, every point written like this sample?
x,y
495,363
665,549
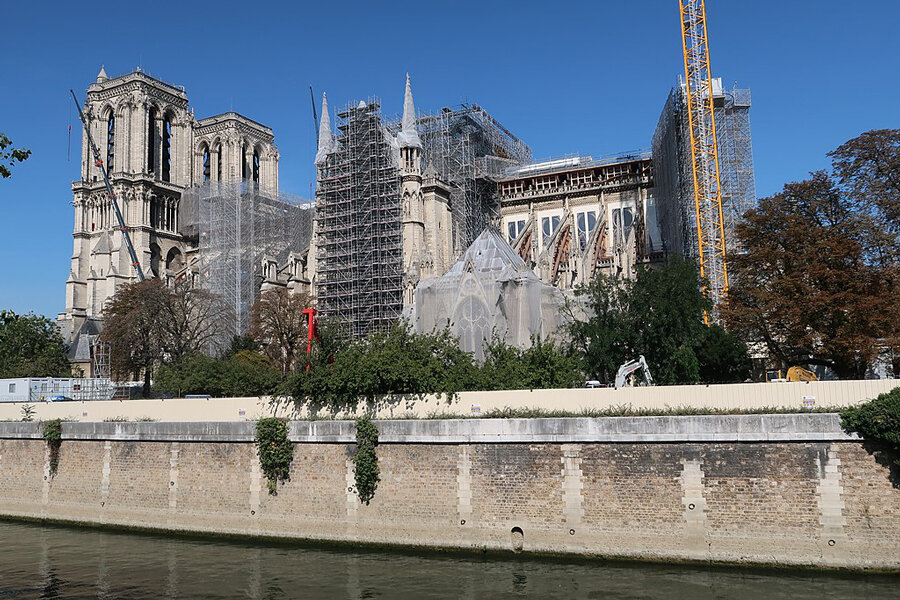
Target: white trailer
x,y
50,389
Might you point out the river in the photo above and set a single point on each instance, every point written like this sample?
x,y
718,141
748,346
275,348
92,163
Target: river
x,y
58,562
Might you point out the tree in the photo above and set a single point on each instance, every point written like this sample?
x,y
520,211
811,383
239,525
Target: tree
x,y
133,327
867,168
396,362
147,324
245,373
543,365
813,284
192,320
31,346
8,158
278,324
659,314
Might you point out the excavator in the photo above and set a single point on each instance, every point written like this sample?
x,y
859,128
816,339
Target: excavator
x,y
795,374
629,368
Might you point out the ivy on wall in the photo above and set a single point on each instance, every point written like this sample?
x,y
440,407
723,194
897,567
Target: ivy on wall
x,y
365,461
276,453
52,432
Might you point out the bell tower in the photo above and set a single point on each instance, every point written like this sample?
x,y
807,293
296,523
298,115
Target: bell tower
x,y
411,196
144,131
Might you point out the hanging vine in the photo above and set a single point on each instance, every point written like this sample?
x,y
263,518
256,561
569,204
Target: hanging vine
x,y
276,453
365,461
52,432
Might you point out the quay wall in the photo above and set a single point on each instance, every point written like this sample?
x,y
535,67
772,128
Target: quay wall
x,y
759,489
740,396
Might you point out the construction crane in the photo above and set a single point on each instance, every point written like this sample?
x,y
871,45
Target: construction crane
x,y
704,154
109,191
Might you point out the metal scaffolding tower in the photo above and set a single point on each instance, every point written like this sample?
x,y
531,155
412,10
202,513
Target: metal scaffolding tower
x,y
470,149
698,90
359,258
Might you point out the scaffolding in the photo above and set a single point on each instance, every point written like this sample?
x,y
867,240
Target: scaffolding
x,y
673,182
239,228
359,261
470,150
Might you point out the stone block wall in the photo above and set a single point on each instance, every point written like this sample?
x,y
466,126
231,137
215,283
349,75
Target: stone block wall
x,y
810,501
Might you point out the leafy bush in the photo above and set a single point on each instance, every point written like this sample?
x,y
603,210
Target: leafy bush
x,y
276,453
245,373
365,460
877,420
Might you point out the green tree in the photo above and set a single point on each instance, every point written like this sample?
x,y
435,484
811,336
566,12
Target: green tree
x,y
659,314
543,365
31,346
394,362
133,327
10,156
245,373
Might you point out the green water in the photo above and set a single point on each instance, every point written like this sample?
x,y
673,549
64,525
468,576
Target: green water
x,y
55,562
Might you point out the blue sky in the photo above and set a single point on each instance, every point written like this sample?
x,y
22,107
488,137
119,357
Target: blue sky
x,y
566,77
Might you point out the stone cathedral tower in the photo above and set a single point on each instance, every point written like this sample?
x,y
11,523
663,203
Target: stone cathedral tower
x,y
153,149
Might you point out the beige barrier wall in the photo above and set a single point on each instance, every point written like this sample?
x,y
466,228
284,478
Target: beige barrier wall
x,y
744,396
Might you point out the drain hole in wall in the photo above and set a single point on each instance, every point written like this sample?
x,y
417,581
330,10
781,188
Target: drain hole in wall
x,y
103,504
462,522
252,512
171,483
690,507
571,532
518,539
831,542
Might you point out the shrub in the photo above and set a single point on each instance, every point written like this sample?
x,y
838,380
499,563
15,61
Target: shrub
x,y
877,420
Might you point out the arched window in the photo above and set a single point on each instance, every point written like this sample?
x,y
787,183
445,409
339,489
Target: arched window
x,y
244,161
206,168
154,213
151,141
256,166
110,141
220,160
167,148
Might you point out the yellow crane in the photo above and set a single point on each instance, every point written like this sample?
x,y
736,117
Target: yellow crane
x,y
698,92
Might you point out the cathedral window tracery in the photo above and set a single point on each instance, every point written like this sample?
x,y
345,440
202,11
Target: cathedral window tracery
x,y
167,148
151,140
110,141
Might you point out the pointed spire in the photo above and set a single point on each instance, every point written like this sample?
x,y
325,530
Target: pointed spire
x,y
326,142
409,137
102,76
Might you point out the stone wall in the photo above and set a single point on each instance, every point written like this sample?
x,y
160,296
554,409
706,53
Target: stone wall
x,y
773,489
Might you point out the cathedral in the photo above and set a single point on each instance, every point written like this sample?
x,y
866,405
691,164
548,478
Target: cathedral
x,y
442,218
154,148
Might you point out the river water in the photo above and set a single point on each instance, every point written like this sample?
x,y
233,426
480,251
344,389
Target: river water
x,y
56,562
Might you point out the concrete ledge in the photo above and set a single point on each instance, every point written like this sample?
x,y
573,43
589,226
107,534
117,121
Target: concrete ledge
x,y
706,428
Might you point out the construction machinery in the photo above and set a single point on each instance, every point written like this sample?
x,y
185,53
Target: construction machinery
x,y
800,374
628,369
698,88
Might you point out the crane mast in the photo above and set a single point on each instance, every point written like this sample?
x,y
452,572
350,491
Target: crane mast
x,y
109,191
704,154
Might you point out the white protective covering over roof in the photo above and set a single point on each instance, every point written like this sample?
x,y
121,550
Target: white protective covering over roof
x,y
408,136
489,291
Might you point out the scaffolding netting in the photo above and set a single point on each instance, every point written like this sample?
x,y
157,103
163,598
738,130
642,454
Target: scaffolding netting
x,y
237,227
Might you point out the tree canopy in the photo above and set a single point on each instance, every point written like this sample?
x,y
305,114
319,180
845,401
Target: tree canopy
x,y
10,156
817,281
31,346
659,314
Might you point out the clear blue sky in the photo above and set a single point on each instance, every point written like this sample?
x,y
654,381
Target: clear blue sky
x,y
566,77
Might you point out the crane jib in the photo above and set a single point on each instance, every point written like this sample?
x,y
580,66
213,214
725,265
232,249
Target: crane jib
x,y
112,196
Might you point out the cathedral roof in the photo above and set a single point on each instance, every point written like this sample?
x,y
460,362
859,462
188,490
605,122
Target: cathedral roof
x,y
489,252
